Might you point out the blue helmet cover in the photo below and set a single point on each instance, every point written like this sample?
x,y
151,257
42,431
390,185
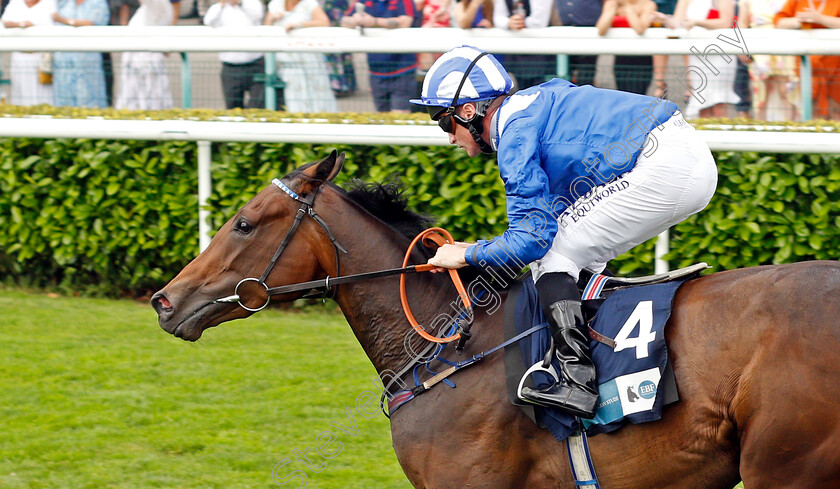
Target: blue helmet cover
x,y
488,79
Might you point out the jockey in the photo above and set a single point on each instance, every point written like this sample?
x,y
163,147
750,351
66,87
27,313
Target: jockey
x,y
588,173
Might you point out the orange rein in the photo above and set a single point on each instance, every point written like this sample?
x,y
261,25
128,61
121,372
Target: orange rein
x,y
431,236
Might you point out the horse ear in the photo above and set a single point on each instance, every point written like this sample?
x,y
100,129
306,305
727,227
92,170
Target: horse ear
x,y
339,164
314,174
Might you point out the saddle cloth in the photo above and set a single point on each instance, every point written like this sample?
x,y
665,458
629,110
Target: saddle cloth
x,y
635,381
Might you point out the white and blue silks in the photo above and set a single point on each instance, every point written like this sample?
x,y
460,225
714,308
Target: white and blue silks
x,y
556,143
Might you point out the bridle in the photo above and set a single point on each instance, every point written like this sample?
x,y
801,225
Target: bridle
x,y
307,209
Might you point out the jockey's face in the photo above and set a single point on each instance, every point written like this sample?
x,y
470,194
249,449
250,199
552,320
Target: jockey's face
x,y
462,136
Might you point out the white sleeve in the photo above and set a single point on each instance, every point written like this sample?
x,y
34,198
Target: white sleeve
x,y
501,15
254,9
45,14
14,12
275,6
540,14
213,17
309,7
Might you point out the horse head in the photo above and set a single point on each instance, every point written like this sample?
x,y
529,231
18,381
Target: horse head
x,y
189,304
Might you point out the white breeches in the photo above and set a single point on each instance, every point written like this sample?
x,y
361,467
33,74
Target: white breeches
x,y
672,180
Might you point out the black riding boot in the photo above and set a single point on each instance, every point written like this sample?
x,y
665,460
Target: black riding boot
x,y
576,392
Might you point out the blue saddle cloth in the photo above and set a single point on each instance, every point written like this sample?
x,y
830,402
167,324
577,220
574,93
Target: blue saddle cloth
x,y
631,379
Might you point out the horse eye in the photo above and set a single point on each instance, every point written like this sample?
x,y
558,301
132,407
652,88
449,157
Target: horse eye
x,y
243,226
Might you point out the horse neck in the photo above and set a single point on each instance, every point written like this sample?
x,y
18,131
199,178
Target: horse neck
x,y
372,307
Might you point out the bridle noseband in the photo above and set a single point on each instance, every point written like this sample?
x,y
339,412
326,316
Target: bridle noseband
x,y
306,209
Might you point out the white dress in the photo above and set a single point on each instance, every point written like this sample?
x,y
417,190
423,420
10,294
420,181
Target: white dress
x,y
305,74
25,86
720,88
144,84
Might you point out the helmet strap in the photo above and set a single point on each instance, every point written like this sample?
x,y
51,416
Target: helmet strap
x,y
476,126
464,79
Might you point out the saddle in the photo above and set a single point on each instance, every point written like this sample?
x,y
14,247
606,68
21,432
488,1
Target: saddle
x,y
613,283
595,288
630,390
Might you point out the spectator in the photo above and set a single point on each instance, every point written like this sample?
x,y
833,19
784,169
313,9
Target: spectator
x,y
27,87
774,77
176,11
121,12
240,71
434,13
305,74
664,12
817,14
342,74
632,73
474,13
742,86
392,76
202,6
144,84
580,13
515,15
78,78
719,92
469,14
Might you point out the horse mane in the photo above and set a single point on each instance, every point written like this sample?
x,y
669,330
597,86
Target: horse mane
x,y
388,202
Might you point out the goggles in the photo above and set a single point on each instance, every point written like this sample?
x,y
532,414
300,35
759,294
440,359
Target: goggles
x,y
444,117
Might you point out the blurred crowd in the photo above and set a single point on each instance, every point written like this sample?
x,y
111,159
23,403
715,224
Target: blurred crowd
x,y
764,87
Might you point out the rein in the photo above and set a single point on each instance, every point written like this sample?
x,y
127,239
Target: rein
x,y
438,236
400,398
306,209
429,237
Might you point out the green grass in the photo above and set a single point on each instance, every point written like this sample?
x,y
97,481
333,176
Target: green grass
x,y
93,394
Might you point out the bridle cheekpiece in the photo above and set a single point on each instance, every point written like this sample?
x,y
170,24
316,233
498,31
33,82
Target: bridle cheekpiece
x,y
306,209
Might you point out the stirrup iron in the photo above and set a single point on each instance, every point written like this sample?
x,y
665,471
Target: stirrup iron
x,y
537,367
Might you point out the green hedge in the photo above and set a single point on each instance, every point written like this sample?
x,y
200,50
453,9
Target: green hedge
x,y
113,217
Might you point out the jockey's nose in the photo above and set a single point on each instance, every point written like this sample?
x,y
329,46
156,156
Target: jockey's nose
x,y
451,138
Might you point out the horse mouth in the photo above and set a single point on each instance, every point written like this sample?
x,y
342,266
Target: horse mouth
x,y
191,327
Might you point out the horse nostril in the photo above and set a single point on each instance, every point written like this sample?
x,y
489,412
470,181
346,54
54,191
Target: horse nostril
x,y
160,303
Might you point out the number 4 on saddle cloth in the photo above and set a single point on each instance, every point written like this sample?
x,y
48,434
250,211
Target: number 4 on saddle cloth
x,y
635,379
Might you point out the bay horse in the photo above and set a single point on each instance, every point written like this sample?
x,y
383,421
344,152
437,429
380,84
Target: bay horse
x,y
755,352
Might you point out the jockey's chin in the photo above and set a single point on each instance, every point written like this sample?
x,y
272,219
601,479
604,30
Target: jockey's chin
x,y
465,141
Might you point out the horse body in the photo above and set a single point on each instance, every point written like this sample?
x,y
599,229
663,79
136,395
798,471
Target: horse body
x,y
757,400
754,352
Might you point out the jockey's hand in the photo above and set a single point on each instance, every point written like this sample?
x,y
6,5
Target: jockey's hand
x,y
450,256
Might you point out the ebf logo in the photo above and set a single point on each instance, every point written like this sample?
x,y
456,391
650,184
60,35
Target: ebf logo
x,y
647,389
